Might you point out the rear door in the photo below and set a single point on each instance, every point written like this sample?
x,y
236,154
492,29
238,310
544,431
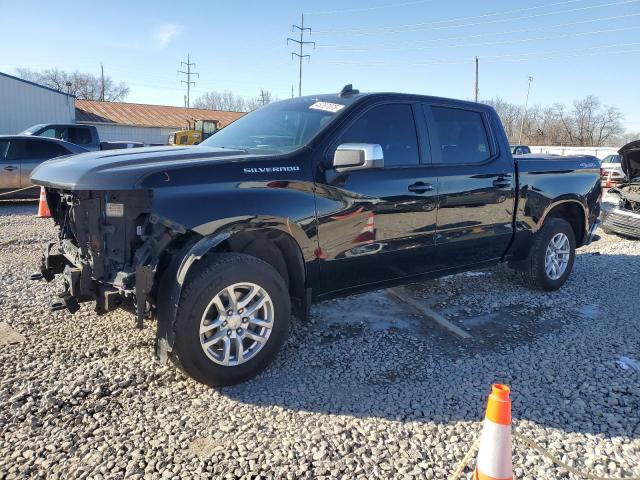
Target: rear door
x,y
32,152
476,186
9,168
378,224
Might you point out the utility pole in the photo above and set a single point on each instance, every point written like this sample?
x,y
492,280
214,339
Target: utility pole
x,y
102,82
476,88
524,115
263,97
188,81
301,43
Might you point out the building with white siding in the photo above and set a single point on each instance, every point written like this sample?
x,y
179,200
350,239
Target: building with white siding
x,y
24,103
149,124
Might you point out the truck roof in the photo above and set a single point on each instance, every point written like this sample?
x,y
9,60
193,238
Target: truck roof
x,y
348,99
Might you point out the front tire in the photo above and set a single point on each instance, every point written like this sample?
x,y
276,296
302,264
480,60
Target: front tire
x,y
232,319
551,257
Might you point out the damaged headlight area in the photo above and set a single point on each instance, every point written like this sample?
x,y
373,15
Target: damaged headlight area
x,y
109,249
625,218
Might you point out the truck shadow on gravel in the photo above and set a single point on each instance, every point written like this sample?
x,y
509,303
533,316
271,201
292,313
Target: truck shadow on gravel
x,y
368,356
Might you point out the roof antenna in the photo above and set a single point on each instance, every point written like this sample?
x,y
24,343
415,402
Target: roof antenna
x,y
348,90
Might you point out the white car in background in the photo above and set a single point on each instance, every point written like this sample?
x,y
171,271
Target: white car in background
x,y
611,165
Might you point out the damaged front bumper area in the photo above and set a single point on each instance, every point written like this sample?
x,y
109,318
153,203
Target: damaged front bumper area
x,y
625,218
109,250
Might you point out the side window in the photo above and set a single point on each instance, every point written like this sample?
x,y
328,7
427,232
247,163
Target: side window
x,y
43,149
460,135
17,150
49,133
79,136
4,146
392,127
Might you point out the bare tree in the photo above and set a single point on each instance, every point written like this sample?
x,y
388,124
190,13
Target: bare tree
x,y
509,113
587,123
230,102
608,125
84,86
225,101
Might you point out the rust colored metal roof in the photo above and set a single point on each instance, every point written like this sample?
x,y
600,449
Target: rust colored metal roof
x,y
90,111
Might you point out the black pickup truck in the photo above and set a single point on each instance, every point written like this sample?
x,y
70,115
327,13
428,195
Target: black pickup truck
x,y
300,201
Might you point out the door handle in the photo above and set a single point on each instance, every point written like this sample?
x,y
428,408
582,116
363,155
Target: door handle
x,y
10,168
501,183
420,187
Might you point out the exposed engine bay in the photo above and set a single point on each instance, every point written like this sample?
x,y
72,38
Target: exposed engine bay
x,y
629,196
625,219
108,251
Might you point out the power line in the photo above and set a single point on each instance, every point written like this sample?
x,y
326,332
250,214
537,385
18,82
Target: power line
x,y
367,9
263,97
188,81
494,58
476,86
436,24
301,43
489,44
101,83
526,105
402,45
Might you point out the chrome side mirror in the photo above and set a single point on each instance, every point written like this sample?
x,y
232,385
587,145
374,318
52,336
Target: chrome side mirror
x,y
358,156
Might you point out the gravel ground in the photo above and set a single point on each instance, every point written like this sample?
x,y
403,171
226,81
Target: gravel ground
x,y
366,389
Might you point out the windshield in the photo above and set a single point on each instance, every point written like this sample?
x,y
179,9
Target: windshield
x,y
611,159
279,127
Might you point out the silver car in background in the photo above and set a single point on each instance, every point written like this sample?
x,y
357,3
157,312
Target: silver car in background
x,y
611,167
20,154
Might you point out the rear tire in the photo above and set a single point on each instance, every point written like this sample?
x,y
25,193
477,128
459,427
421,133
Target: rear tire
x,y
223,340
551,257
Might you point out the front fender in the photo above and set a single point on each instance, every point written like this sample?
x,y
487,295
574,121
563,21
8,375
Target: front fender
x,y
210,236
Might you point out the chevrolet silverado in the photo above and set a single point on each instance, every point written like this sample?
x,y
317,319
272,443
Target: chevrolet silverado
x,y
300,201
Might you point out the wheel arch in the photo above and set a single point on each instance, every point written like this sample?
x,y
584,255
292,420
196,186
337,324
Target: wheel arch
x,y
571,210
273,242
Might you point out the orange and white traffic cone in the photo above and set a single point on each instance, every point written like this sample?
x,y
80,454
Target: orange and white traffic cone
x,y
494,455
368,232
43,208
608,184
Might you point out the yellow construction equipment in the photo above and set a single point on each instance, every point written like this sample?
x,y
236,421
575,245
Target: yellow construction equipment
x,y
195,132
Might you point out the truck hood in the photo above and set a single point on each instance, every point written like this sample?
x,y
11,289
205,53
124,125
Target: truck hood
x,y
630,160
124,169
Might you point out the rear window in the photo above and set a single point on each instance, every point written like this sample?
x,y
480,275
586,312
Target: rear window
x,y
79,136
460,135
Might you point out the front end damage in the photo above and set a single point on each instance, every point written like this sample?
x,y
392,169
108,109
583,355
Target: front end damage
x,y
625,218
109,251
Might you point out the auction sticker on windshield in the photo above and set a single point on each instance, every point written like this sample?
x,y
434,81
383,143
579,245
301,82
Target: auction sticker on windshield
x,y
327,107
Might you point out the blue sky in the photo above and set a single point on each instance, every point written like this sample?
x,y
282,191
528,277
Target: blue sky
x,y
572,48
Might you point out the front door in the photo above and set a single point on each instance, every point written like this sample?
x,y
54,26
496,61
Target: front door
x,y
9,168
378,224
476,187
